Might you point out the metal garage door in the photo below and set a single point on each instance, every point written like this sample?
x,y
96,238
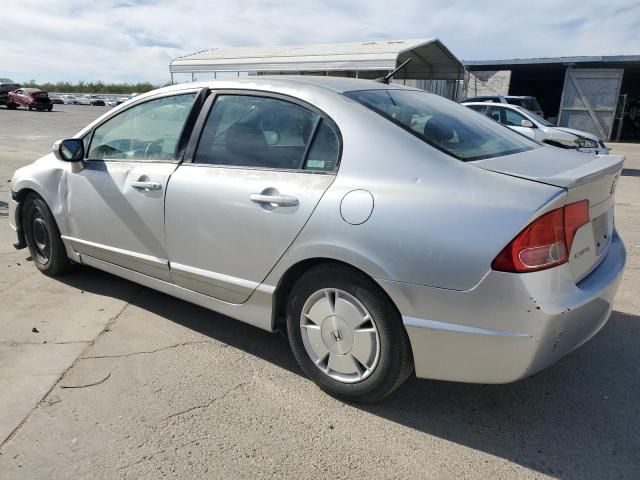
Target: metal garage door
x,y
589,100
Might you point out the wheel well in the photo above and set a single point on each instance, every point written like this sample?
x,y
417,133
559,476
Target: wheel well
x,y
22,194
19,197
292,275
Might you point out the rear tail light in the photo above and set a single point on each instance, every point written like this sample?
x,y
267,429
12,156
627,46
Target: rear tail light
x,y
546,242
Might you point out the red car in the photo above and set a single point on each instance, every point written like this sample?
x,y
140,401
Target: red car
x,y
30,98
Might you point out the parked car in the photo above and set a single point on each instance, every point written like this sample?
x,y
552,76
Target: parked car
x,y
69,99
534,126
7,85
381,226
91,100
31,98
56,100
110,102
530,103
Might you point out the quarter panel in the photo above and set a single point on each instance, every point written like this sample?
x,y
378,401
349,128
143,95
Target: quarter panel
x,y
436,221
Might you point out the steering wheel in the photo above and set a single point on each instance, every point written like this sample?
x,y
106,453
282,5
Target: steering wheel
x,y
153,148
106,151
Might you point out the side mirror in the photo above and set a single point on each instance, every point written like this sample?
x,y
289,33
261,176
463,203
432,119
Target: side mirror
x,y
70,150
526,123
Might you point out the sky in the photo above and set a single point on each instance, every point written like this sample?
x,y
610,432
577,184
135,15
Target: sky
x,y
134,40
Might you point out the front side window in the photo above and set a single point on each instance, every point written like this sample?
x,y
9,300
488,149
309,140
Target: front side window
x,y
149,131
443,124
513,118
262,132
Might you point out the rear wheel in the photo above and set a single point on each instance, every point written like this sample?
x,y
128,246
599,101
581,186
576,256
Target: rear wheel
x,y
346,334
29,107
43,237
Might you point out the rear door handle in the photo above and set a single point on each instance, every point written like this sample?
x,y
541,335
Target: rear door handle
x,y
279,200
147,185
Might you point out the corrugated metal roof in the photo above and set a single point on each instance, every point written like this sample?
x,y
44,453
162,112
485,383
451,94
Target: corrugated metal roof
x,y
473,64
431,59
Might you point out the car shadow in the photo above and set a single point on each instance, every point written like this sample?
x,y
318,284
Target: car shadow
x,y
577,419
630,172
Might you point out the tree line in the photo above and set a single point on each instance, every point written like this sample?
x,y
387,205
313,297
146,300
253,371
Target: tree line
x,y
92,87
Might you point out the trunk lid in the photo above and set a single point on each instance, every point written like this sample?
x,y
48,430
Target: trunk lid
x,y
584,177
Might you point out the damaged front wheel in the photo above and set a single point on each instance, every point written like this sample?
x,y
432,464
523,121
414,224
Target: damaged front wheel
x,y
43,237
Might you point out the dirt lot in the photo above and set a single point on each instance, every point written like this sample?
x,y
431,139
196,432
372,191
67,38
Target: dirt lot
x,y
123,382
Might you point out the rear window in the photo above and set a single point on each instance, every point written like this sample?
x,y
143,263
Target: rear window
x,y
443,124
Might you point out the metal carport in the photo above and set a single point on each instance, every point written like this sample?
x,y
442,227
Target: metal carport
x,y
431,61
598,94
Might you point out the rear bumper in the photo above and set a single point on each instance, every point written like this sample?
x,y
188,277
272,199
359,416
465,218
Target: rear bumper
x,y
510,325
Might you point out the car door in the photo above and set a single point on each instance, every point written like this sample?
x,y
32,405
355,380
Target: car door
x,y
260,167
17,97
116,202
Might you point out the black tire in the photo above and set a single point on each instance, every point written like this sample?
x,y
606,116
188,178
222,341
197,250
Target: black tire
x,y
49,108
43,238
29,107
11,106
395,361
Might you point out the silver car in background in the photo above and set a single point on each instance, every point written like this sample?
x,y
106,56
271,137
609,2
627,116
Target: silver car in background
x,y
534,126
383,228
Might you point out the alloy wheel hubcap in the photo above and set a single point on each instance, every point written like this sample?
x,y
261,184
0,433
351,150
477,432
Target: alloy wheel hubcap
x,y
340,335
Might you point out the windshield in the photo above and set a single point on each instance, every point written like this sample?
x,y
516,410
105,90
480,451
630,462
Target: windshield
x,y
443,124
529,103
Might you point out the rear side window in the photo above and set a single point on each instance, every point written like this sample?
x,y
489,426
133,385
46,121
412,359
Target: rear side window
x,y
325,149
262,132
443,124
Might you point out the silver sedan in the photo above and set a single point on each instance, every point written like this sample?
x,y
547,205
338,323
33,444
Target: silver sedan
x,y
385,229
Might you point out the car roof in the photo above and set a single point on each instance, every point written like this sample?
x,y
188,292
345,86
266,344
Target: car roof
x,y
503,96
500,105
335,84
484,104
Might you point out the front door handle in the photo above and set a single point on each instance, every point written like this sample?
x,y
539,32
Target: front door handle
x,y
147,185
276,200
